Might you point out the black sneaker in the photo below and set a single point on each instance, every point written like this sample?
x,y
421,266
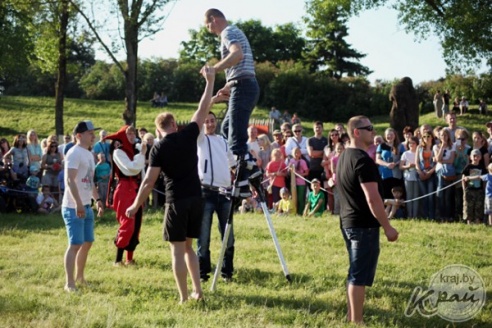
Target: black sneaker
x,y
248,169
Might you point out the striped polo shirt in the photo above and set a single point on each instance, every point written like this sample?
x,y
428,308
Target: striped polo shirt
x,y
245,68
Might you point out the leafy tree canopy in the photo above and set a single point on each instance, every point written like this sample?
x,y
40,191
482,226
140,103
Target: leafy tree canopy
x,y
282,42
462,26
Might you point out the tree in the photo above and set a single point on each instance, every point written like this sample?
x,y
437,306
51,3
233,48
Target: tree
x,y
140,19
462,26
327,51
281,43
15,37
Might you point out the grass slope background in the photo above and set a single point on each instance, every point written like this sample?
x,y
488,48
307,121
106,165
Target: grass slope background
x,y
20,114
32,276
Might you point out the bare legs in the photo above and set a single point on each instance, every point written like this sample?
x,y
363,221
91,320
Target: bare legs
x,y
184,260
355,303
76,256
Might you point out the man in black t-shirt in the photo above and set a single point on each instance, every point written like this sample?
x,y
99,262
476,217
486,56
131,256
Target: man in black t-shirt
x,y
176,156
361,213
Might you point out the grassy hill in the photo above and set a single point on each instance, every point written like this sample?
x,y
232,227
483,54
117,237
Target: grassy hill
x,y
20,114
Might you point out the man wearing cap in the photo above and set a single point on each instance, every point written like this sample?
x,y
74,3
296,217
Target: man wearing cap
x,y
175,155
277,139
127,164
214,162
76,204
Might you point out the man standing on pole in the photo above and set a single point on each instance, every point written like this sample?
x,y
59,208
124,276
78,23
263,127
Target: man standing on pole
x,y
176,156
242,89
361,213
214,163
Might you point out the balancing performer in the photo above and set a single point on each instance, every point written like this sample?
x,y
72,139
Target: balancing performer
x,y
127,164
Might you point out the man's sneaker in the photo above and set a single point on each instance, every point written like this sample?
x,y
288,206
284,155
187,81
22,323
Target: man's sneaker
x,y
247,170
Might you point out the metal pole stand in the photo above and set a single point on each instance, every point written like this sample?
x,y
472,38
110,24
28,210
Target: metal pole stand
x,y
256,184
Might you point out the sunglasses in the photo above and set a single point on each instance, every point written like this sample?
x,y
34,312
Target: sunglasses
x,y
296,131
427,136
367,128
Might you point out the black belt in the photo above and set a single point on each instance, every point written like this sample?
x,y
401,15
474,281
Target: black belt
x,y
212,188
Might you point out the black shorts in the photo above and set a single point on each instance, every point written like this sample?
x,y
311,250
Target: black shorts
x,y
183,219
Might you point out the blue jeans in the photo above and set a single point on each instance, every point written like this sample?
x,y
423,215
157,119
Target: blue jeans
x,y
215,202
445,198
412,192
243,99
426,187
363,248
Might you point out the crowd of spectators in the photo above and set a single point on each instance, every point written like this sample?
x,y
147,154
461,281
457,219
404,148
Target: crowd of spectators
x,y
433,166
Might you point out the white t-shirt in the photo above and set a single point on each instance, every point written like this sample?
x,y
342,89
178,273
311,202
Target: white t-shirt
x,y
81,159
407,158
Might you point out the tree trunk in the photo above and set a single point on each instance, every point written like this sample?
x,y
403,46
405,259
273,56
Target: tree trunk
x,y
131,41
62,68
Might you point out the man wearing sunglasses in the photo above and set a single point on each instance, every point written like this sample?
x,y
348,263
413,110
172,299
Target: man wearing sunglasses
x,y
361,213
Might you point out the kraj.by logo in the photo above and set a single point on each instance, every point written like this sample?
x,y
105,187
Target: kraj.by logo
x,y
456,293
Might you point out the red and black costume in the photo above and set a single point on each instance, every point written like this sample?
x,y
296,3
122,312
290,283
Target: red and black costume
x,y
127,165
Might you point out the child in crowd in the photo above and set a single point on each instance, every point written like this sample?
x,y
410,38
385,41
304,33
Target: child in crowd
x,y
250,204
101,176
488,193
276,172
339,148
301,169
393,205
473,198
46,202
33,182
285,206
315,205
410,176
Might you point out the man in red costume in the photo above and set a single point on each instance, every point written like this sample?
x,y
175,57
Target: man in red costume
x,y
127,164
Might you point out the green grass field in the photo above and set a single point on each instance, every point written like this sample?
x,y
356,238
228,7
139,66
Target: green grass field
x,y
32,274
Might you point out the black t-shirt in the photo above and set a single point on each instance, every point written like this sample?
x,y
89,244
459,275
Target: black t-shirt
x,y
317,144
356,167
176,155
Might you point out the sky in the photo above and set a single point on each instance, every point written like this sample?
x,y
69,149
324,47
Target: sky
x,y
390,52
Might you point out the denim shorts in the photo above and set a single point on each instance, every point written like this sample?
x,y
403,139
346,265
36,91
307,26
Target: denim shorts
x,y
79,230
363,249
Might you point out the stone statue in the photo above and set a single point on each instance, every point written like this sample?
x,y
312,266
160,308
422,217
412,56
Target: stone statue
x,y
405,109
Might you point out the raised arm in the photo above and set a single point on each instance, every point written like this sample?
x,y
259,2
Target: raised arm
x,y
205,102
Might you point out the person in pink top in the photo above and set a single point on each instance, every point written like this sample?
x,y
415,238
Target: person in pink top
x,y
276,172
300,166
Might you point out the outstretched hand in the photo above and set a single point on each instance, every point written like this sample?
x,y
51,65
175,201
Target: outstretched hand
x,y
208,72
